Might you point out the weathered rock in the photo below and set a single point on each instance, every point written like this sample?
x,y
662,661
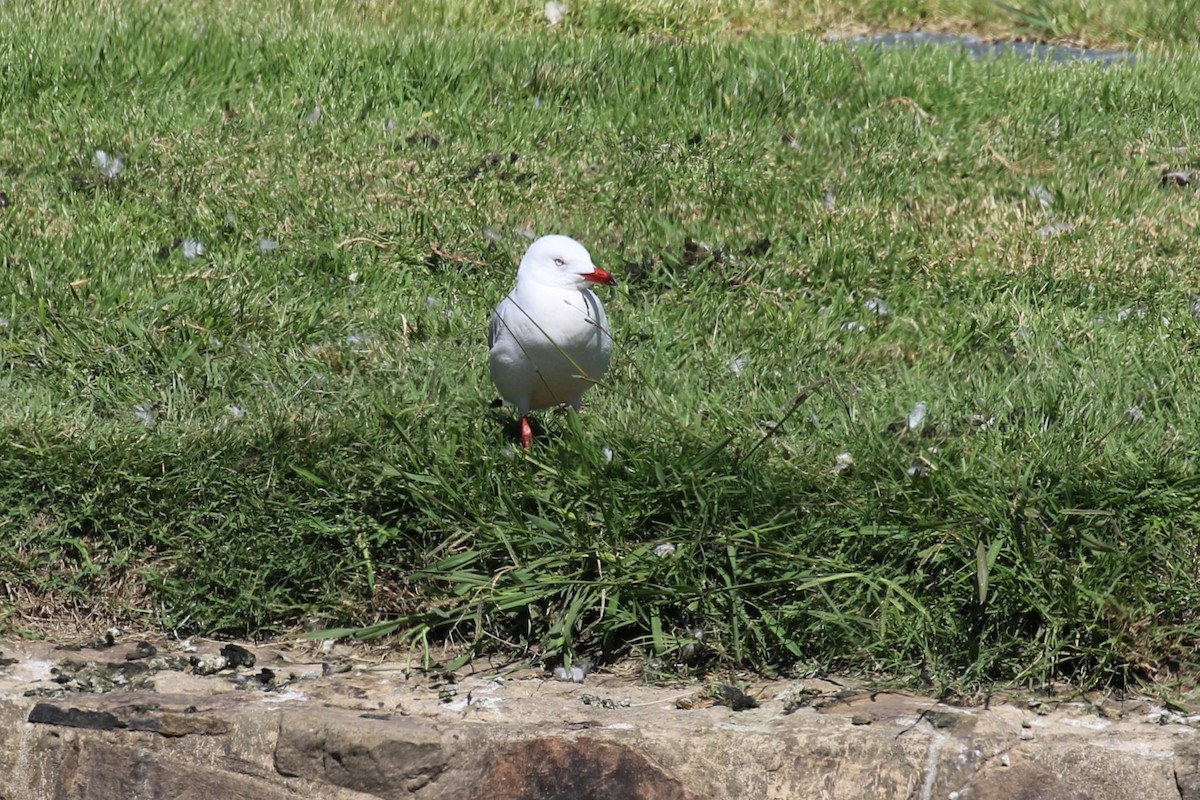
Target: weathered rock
x,y
386,734
50,714
173,724
383,758
577,769
1187,770
97,770
1022,782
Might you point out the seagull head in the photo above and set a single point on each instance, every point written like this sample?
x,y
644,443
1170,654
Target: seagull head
x,y
560,262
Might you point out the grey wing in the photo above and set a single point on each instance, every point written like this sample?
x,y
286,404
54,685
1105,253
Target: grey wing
x,y
494,329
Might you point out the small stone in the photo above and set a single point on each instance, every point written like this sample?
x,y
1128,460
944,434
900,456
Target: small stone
x,y
209,664
237,656
141,651
735,698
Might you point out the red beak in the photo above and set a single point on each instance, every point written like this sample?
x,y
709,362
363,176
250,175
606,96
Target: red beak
x,y
600,276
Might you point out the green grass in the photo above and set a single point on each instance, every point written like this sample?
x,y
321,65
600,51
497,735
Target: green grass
x,y
319,448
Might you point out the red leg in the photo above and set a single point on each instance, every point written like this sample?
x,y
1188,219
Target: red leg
x,y
526,433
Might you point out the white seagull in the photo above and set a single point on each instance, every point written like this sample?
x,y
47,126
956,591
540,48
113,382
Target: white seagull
x,y
549,339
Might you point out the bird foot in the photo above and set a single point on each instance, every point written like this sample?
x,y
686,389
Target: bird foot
x,y
526,433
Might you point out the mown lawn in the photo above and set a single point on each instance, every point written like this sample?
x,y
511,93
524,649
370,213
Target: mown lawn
x,y
244,373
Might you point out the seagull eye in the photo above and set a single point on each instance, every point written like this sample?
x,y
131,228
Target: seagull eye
x,y
558,262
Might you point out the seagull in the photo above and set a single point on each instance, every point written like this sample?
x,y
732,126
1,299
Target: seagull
x,y
549,339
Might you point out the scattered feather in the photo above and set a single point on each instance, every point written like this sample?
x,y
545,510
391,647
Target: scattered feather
x,y
877,306
607,453
267,245
664,550
109,165
853,326
1055,229
145,414
1135,415
526,233
842,463
917,416
830,201
233,413
554,12
576,674
1042,195
314,116
1137,312
492,235
192,248
921,467
1196,306
1176,177
737,365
